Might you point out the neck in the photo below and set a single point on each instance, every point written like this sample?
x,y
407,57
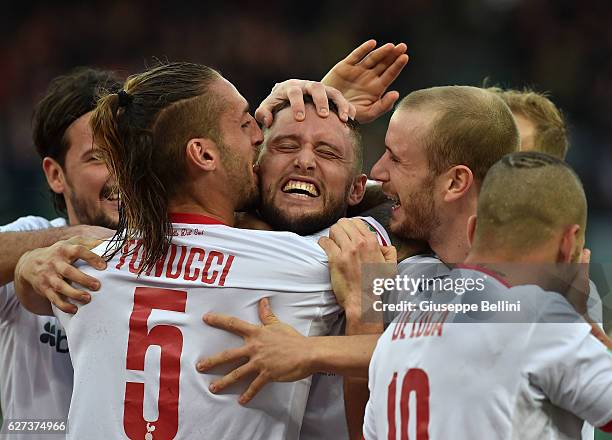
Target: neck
x,y
524,268
219,211
449,242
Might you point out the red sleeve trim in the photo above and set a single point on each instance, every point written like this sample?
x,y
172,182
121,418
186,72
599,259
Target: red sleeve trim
x,y
607,427
485,271
380,236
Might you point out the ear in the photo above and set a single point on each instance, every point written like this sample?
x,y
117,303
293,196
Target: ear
x,y
55,175
358,189
570,246
202,154
458,181
471,229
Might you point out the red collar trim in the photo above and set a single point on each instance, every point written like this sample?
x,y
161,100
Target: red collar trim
x,y
485,271
196,219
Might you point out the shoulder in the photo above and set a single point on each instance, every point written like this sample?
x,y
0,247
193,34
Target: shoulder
x,y
32,223
375,226
423,264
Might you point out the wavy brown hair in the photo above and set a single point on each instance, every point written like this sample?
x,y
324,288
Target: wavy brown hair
x,y
68,97
142,132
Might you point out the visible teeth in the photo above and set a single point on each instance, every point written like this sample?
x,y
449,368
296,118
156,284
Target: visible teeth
x,y
302,186
395,200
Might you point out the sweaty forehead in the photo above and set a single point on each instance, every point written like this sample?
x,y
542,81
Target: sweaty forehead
x,y
313,128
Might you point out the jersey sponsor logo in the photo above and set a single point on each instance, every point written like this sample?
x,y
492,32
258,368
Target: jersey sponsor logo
x,y
55,337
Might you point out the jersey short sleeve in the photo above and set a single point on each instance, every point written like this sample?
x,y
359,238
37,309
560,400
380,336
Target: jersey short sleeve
x,y
8,300
571,367
32,223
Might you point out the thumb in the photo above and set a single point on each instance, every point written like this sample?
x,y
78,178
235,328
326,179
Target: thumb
x,y
329,246
88,242
388,100
266,316
586,256
380,107
390,254
263,115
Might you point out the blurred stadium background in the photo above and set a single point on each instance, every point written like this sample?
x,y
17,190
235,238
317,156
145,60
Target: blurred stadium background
x,y
562,47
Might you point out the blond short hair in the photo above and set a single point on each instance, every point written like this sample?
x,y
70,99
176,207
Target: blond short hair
x,y
525,199
550,134
471,127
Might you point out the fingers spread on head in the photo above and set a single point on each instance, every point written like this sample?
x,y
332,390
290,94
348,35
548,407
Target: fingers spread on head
x,y
296,99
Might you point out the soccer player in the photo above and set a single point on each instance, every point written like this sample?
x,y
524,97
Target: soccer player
x,y
310,173
35,368
436,157
180,139
371,89
534,379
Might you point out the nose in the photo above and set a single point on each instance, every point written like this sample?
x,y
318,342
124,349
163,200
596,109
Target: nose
x,y
257,136
379,171
305,159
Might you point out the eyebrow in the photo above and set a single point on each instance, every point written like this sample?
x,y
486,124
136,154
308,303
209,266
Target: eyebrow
x,y
390,150
282,137
89,152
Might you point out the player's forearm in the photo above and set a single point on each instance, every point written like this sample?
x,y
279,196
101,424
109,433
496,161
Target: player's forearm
x,y
28,297
15,244
368,322
343,355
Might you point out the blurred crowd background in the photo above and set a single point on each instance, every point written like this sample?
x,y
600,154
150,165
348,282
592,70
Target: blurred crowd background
x,y
562,47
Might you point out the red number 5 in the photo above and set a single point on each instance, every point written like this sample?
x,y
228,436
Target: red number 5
x,y
416,381
170,340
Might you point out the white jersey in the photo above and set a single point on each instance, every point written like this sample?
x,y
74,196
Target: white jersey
x,y
430,266
35,368
432,376
325,416
134,347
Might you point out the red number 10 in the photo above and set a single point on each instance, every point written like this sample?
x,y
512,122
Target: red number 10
x,y
170,340
416,381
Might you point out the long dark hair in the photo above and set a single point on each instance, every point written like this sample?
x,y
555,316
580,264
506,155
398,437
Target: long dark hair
x,y
142,132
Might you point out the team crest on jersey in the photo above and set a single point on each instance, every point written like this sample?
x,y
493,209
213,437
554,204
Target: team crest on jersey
x,y
54,338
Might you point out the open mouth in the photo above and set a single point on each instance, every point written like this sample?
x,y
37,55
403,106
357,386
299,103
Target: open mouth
x,y
109,194
300,187
395,200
